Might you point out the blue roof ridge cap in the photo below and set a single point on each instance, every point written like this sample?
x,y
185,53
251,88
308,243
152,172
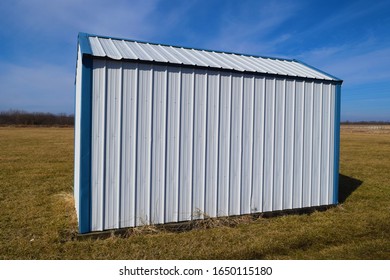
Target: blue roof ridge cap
x,y
183,47
318,70
85,46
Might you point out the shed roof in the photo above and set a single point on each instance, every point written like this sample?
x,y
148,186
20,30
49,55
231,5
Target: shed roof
x,y
126,49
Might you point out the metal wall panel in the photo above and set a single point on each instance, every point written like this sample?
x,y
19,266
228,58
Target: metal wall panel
x,y
98,144
144,140
316,165
269,140
173,144
159,143
112,144
299,122
129,113
258,145
325,145
186,144
307,145
288,167
212,129
247,144
199,167
236,145
224,144
279,145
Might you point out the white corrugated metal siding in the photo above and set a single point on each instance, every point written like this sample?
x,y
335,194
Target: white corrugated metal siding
x,y
173,144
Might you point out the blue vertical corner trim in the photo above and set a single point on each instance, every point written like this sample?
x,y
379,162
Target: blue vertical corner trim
x,y
336,145
85,145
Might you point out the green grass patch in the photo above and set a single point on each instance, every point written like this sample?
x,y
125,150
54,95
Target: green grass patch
x,y
38,219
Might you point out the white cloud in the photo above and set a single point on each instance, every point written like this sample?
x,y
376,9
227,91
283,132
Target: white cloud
x,y
38,87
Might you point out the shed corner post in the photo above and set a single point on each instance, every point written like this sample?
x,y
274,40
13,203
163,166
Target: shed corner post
x,y
337,145
85,145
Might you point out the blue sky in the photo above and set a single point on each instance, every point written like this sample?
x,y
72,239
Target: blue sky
x,y
348,39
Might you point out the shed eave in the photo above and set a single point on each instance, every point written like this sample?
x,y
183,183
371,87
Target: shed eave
x,y
335,79
221,69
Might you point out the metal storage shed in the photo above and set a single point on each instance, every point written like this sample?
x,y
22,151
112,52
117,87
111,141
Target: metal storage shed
x,y
166,134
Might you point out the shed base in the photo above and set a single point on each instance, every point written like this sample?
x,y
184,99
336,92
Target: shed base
x,y
199,223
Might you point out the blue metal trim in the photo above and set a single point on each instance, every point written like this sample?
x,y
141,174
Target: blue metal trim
x,y
85,145
74,136
336,145
318,70
85,46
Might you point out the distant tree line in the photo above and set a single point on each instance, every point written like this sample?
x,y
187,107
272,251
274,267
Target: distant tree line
x,y
22,118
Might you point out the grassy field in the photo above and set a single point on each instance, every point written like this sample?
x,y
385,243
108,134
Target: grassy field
x,y
37,217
